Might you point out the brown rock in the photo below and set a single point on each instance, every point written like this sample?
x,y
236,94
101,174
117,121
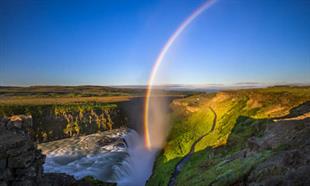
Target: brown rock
x,y
19,121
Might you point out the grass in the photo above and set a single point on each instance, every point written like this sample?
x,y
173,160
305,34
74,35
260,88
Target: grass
x,y
47,95
221,173
191,118
64,95
61,100
68,91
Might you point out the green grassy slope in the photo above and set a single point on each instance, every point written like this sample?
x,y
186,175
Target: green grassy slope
x,y
240,114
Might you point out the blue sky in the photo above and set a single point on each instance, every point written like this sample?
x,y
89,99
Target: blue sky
x,y
115,42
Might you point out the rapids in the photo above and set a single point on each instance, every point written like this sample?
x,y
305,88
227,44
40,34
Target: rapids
x,y
115,156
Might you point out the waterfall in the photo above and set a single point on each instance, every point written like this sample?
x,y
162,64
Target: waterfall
x,y
116,156
139,162
98,155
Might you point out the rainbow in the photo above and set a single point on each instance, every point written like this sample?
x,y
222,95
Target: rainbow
x,y
163,52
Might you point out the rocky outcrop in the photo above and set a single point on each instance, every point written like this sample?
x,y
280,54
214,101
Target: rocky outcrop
x,y
278,152
290,162
21,163
23,122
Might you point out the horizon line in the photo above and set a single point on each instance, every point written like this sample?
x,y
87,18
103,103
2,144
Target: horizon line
x,y
168,84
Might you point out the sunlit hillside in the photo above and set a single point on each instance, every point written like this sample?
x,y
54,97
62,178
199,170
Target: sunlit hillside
x,y
220,126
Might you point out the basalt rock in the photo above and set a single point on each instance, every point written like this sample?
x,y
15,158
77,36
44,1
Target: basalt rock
x,y
20,161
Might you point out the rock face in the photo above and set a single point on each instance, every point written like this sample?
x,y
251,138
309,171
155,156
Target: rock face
x,y
21,163
53,122
290,162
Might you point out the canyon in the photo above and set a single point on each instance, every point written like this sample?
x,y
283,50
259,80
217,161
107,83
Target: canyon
x,y
233,137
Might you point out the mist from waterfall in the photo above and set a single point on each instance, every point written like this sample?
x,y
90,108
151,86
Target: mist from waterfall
x,y
139,161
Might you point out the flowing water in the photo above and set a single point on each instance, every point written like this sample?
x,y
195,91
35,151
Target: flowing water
x,y
111,156
139,159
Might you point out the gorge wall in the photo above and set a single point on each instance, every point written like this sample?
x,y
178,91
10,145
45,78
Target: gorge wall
x,y
52,122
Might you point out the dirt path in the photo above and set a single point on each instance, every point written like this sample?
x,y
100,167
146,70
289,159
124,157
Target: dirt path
x,y
185,159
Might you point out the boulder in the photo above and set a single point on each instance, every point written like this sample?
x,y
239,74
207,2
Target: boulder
x,y
20,121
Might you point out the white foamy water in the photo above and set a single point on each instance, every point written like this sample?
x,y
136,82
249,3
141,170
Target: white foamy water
x,y
139,160
99,155
117,156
